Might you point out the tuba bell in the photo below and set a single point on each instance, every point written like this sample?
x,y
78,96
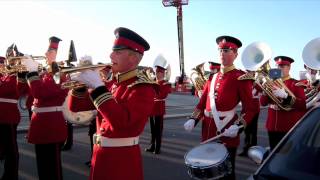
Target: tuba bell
x,y
255,57
197,77
311,58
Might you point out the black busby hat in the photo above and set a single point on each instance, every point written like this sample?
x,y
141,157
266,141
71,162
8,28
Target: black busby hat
x,y
228,42
128,39
53,43
283,60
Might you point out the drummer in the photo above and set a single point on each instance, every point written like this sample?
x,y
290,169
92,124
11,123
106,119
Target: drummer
x,y
220,98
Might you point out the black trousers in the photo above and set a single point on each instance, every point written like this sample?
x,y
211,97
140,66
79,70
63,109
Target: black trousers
x,y
232,152
156,126
48,158
251,133
67,145
91,132
9,151
274,138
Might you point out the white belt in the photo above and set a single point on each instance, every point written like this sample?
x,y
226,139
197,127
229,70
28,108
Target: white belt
x,y
114,142
8,100
46,109
274,107
221,113
159,99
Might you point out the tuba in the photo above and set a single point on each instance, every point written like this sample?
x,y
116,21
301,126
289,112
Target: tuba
x,y
198,77
256,58
311,58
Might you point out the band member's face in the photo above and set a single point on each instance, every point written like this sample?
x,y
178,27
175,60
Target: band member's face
x,y
160,74
122,60
312,71
285,69
227,56
51,56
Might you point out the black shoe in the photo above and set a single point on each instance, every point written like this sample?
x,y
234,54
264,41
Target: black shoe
x,y
149,149
88,163
157,151
243,154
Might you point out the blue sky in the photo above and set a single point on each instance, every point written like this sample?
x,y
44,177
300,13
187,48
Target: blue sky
x,y
286,25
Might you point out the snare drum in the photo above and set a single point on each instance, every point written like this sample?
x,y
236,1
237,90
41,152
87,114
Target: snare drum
x,y
208,161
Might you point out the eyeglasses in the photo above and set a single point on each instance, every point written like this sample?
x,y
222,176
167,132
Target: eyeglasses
x,y
224,50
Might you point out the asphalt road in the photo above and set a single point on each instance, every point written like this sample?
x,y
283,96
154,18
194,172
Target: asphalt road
x,y
169,165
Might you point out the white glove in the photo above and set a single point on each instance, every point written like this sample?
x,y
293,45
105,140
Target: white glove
x,y
91,78
281,93
30,64
232,131
189,125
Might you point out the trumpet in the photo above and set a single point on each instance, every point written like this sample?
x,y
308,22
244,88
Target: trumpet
x,y
75,84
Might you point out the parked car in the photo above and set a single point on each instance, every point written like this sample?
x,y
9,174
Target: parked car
x,y
297,156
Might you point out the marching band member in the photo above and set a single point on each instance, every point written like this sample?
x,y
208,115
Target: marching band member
x,y
48,127
311,86
279,121
220,98
123,106
156,118
10,118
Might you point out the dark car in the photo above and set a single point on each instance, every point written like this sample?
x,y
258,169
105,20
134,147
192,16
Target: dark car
x,y
297,156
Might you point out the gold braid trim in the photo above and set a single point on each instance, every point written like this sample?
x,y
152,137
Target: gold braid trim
x,y
142,79
196,114
78,94
101,99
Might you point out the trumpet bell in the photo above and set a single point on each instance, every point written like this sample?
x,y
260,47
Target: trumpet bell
x,y
256,55
311,54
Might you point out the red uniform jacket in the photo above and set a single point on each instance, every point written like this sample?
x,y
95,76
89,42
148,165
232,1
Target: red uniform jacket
x,y
281,120
8,90
124,106
159,108
46,127
229,91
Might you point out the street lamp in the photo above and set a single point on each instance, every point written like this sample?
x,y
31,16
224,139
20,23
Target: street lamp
x,y
178,4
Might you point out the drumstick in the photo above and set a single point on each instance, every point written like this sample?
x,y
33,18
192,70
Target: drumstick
x,y
215,137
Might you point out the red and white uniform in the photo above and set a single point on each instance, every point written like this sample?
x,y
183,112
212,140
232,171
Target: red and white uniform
x,y
228,92
159,107
124,106
280,120
47,122
9,95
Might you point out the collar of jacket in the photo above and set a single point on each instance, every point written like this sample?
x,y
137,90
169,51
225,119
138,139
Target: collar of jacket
x,y
227,69
286,78
120,77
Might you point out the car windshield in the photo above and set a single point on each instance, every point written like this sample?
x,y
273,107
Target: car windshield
x,y
298,156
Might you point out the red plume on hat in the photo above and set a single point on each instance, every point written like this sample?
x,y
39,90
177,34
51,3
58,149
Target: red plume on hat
x,y
53,43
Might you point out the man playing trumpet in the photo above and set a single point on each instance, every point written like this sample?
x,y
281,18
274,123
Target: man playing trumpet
x,y
123,104
48,127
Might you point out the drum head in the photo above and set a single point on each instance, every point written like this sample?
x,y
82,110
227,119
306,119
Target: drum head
x,y
206,155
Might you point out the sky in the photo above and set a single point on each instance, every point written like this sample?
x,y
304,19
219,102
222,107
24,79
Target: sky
x,y
285,25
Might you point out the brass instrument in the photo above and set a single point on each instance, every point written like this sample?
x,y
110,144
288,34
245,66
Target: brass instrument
x,y
14,65
311,58
197,77
256,58
75,84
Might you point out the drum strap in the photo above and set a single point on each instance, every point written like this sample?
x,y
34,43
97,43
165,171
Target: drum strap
x,y
220,124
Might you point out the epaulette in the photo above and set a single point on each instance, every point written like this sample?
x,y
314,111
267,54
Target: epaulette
x,y
246,76
143,78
